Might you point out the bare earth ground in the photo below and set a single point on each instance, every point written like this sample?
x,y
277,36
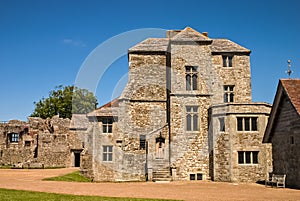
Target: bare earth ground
x,y
199,190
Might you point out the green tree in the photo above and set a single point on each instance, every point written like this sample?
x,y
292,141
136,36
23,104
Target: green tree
x,y
65,101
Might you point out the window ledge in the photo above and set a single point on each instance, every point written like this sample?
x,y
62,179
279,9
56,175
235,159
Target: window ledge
x,y
192,131
249,164
247,132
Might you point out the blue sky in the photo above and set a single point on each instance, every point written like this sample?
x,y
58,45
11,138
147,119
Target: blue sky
x,y
44,43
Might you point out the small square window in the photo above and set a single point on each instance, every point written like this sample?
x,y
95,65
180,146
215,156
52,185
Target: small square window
x,y
27,143
192,177
199,176
14,137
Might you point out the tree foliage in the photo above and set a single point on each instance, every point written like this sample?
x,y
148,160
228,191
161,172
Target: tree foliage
x,y
65,101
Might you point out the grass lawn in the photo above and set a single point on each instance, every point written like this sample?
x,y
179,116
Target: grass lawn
x,y
17,195
72,177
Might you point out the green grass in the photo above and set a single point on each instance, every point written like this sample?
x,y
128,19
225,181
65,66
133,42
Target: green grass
x,y
17,195
71,177
5,166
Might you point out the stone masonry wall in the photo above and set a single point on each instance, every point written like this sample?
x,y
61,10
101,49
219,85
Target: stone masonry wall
x,y
238,75
48,142
224,145
189,149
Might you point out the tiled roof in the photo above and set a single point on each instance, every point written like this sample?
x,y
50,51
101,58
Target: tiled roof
x,y
151,45
292,89
225,45
109,109
189,34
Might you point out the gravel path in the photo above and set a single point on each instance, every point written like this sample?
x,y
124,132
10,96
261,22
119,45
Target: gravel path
x,y
199,190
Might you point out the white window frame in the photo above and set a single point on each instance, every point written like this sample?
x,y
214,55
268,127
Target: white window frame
x,y
245,153
107,154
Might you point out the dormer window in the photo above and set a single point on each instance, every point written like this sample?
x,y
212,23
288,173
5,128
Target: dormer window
x,y
227,60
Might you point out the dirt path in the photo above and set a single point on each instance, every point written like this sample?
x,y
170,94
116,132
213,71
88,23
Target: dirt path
x,y
201,190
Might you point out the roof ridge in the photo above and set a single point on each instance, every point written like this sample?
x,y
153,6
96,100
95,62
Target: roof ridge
x,y
189,33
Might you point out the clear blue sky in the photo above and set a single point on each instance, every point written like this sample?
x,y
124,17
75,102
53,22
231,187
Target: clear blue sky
x,y
44,43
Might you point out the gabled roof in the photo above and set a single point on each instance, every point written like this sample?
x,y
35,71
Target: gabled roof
x,y
289,88
189,34
151,45
225,45
106,110
292,89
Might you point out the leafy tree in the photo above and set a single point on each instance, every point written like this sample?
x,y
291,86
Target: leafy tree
x,y
65,101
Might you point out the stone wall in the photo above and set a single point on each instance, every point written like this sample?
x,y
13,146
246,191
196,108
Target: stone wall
x,y
225,145
286,155
45,141
238,75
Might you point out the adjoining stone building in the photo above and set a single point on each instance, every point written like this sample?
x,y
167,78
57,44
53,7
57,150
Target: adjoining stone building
x,y
41,143
185,114
283,131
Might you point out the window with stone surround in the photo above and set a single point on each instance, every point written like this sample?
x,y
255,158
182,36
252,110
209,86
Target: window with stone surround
x,y
107,124
228,93
222,124
107,153
191,118
191,78
248,157
247,123
14,137
227,60
197,176
142,142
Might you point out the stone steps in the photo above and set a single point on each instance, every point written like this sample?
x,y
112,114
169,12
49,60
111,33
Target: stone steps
x,y
162,174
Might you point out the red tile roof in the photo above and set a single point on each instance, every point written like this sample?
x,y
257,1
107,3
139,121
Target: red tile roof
x,y
113,103
292,89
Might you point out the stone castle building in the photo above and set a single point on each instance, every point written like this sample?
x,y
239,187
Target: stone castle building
x,y
185,114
